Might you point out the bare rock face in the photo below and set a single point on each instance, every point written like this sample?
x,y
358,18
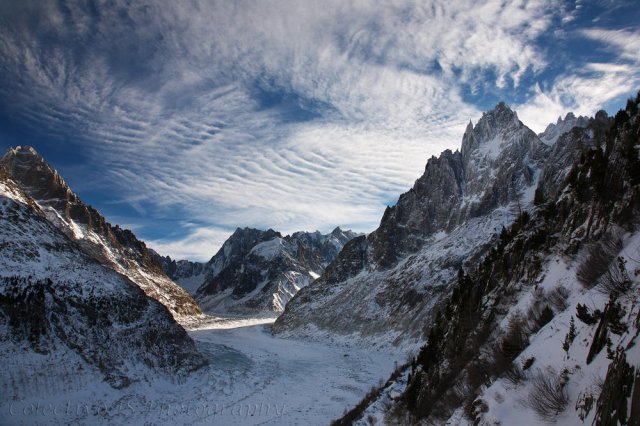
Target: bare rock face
x,y
452,213
567,149
110,245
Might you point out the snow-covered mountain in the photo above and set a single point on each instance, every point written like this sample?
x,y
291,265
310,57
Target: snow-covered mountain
x,y
112,246
383,287
542,325
510,273
561,127
257,272
67,322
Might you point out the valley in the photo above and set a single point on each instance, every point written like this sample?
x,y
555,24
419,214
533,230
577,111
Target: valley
x,y
504,283
253,378
320,213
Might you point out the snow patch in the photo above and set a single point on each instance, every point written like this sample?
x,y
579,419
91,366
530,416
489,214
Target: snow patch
x,y
268,249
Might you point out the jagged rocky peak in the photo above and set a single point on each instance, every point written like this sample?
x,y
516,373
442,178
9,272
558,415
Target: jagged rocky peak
x,y
498,133
245,238
42,182
498,160
25,154
29,168
239,244
562,126
503,162
343,235
492,125
338,232
327,245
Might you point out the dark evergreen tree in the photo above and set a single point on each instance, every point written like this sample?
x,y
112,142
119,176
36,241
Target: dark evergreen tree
x,y
583,314
571,335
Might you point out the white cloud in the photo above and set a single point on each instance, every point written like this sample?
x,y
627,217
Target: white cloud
x,y
581,95
170,99
626,42
589,88
199,245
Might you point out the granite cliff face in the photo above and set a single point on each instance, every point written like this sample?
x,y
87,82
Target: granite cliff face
x,y
498,160
387,283
112,246
545,325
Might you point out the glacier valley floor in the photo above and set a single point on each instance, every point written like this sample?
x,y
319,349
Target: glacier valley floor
x,y
253,378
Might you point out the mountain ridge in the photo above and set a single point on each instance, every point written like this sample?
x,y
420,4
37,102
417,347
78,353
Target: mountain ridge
x,y
62,311
453,211
521,333
111,245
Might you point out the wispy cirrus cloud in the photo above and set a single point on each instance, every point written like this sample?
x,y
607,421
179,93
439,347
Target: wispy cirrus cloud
x,y
195,244
625,42
284,114
593,85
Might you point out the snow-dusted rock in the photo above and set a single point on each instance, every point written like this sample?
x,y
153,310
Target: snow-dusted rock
x,y
66,319
258,271
110,245
562,126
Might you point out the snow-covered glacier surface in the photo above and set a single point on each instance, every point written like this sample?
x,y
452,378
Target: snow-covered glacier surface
x,y
253,378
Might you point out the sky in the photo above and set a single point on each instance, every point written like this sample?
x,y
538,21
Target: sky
x,y
183,120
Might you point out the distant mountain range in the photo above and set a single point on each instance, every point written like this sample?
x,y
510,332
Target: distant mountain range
x,y
257,272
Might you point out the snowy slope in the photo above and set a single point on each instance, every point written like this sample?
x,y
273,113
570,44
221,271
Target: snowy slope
x,y
82,344
112,246
68,323
507,401
253,378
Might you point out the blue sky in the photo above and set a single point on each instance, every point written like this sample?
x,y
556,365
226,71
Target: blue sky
x,y
184,120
